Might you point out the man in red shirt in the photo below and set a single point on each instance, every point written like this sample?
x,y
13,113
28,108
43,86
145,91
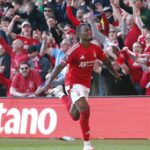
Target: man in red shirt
x,y
25,82
26,33
80,60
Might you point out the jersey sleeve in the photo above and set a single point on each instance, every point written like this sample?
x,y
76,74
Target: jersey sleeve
x,y
70,54
101,55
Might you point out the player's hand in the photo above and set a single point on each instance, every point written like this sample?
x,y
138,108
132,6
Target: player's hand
x,y
118,76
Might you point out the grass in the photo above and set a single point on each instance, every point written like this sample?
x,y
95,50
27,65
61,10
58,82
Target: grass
x,y
55,144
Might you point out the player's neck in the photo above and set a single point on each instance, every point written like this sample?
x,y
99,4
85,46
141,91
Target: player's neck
x,y
85,43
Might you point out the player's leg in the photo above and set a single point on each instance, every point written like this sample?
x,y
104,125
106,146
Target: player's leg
x,y
84,110
71,108
79,96
66,100
74,112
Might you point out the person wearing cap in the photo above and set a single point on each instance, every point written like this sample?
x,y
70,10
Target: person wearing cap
x,y
71,34
26,32
109,15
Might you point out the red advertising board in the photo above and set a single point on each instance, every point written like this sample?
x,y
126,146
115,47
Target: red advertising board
x,y
115,117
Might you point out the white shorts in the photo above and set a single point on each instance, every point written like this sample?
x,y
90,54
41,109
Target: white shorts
x,y
77,91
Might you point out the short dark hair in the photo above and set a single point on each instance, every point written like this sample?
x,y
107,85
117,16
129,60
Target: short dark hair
x,y
19,2
78,29
5,18
32,49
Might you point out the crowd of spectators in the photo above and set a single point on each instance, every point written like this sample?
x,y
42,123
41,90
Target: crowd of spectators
x,y
35,35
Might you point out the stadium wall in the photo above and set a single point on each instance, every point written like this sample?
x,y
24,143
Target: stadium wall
x,y
111,117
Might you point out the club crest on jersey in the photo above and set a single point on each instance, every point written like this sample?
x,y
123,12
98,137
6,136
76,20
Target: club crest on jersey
x,y
30,84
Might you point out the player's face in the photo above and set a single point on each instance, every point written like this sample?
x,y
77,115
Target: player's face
x,y
86,33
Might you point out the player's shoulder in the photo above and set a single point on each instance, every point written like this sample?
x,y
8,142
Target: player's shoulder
x,y
73,48
93,45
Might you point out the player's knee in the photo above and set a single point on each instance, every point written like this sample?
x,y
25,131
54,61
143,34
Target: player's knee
x,y
75,115
75,118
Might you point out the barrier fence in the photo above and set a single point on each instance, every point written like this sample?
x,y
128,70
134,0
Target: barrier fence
x,y
115,117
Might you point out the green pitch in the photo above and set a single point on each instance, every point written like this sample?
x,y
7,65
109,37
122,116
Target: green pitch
x,y
55,144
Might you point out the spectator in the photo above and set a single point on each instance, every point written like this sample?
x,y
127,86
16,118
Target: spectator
x,y
54,30
141,38
5,63
4,82
34,16
25,35
25,82
130,29
48,12
10,12
112,38
59,7
4,28
17,54
37,62
147,43
145,82
137,9
75,20
71,34
109,15
135,68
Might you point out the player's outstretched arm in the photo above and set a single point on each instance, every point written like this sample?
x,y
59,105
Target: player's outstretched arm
x,y
54,74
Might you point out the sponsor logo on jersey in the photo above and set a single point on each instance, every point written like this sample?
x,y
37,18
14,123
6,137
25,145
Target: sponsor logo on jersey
x,y
82,57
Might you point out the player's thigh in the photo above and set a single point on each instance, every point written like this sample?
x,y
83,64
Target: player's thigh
x,y
77,92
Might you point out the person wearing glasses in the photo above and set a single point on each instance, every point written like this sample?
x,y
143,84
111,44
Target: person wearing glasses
x,y
25,82
48,12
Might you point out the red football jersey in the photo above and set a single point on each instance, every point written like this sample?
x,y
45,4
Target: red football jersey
x,y
28,41
27,84
80,62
